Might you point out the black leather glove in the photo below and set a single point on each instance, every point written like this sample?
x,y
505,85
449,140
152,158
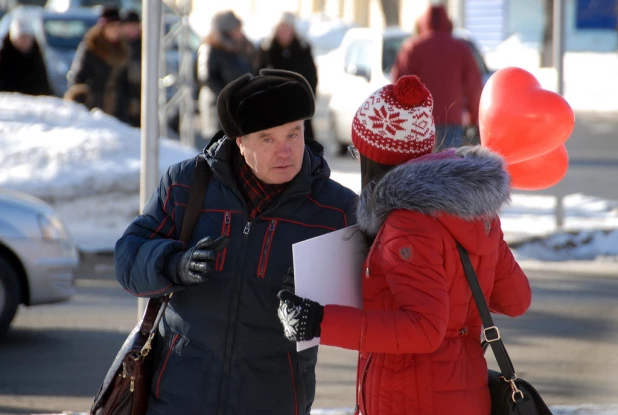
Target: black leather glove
x,y
301,317
195,264
288,281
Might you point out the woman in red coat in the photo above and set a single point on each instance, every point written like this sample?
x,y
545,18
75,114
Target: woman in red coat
x,y
419,332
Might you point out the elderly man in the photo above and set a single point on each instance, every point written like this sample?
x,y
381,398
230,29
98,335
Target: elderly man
x,y
221,348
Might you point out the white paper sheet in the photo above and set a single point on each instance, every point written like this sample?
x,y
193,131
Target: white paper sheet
x,y
328,269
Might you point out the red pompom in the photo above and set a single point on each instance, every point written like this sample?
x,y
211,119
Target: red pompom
x,y
410,91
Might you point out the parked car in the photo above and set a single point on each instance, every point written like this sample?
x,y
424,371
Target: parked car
x,y
58,35
38,258
364,61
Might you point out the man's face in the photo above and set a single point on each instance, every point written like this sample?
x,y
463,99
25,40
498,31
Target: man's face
x,y
275,155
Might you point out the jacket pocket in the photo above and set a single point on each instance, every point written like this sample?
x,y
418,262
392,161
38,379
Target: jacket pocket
x,y
166,357
225,231
266,246
181,377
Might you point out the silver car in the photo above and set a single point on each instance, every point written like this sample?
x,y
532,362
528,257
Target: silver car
x,y
38,258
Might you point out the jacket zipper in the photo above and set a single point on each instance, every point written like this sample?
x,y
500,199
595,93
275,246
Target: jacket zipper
x,y
227,226
268,238
293,384
361,392
227,361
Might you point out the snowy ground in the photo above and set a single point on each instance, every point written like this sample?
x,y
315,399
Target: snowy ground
x,y
87,165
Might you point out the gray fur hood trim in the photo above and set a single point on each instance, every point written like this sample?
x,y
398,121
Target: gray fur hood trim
x,y
471,184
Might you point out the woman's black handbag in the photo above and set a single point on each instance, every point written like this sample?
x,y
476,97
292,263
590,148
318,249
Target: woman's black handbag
x,y
510,395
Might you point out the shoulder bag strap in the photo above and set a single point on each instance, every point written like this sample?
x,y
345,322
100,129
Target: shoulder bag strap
x,y
491,334
156,306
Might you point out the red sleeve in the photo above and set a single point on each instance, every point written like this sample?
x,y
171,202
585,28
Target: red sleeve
x,y
419,288
473,85
511,294
403,61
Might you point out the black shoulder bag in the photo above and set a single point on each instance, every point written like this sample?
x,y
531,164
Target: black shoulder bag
x,y
126,387
510,395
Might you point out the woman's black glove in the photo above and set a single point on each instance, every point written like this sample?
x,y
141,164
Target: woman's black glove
x,y
301,317
195,264
288,281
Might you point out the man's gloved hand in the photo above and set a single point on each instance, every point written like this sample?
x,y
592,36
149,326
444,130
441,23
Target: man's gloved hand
x,y
288,281
195,264
301,318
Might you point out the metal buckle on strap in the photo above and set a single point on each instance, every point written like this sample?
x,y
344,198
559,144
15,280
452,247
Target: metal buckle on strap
x,y
496,334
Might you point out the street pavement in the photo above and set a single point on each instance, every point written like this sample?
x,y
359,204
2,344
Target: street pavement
x,y
56,356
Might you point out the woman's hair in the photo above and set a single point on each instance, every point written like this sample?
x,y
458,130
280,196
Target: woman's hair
x,y
372,171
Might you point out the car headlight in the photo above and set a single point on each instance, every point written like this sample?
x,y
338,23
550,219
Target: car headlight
x,y
52,229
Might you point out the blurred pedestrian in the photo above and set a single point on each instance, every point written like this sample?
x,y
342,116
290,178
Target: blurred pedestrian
x,y
448,68
285,49
418,333
98,76
133,34
22,67
220,347
225,55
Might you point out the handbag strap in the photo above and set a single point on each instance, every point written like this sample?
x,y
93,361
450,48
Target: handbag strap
x,y
491,334
155,309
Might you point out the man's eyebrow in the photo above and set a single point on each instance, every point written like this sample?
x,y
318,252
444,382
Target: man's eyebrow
x,y
297,128
263,134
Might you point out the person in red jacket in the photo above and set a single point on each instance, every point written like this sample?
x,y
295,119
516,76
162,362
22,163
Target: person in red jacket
x,y
419,332
448,68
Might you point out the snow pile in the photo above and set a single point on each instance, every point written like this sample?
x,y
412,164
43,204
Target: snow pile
x,y
57,150
600,245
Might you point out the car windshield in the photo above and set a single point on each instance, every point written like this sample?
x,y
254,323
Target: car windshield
x,y
390,49
66,33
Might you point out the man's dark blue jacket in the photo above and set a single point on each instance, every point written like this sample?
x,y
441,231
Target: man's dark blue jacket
x,y
221,348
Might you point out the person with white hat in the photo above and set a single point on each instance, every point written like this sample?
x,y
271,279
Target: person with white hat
x,y
22,67
285,49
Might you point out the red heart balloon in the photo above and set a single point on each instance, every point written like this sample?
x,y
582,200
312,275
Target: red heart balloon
x,y
540,172
520,120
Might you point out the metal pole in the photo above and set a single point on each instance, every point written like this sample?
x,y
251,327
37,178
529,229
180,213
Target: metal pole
x,y
185,76
558,43
558,46
149,173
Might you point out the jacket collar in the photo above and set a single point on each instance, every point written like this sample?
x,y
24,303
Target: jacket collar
x,y
469,183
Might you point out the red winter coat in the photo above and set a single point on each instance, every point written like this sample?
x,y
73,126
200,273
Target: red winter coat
x,y
419,331
446,66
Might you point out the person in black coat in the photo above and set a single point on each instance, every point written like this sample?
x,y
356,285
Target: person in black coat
x,y
225,55
220,347
22,68
98,77
286,50
133,35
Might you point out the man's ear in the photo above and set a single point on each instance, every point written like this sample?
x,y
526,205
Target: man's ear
x,y
240,145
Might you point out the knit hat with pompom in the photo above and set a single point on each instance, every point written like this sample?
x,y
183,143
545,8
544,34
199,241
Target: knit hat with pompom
x,y
395,124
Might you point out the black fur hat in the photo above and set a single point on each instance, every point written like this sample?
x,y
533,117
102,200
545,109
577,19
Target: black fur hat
x,y
255,103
